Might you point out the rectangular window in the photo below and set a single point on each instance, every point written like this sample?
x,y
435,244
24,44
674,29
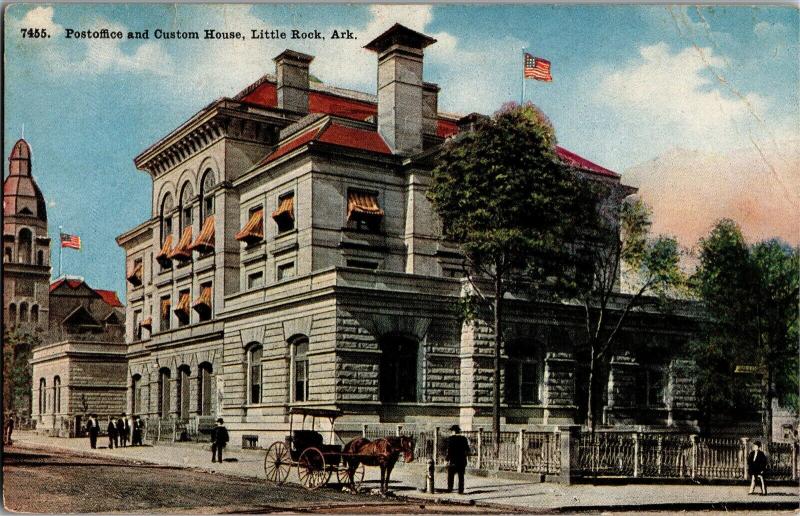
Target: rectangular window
x,y
362,264
182,309
301,371
137,325
363,211
284,214
187,217
255,280
165,313
529,383
255,374
285,270
650,388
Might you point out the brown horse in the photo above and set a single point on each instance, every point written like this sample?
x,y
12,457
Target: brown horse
x,y
383,452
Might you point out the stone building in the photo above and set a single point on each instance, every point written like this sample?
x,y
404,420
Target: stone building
x,y
292,259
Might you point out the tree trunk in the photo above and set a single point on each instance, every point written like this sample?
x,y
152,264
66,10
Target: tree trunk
x,y
498,339
590,402
766,408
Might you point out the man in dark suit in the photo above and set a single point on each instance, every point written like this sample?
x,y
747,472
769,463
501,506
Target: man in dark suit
x,y
219,438
756,466
138,430
457,447
112,433
93,428
123,430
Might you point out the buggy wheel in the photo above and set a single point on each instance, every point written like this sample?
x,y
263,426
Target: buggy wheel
x,y
311,469
358,476
277,462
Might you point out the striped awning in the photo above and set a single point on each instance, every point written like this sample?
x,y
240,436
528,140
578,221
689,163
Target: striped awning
x,y
205,240
165,305
163,255
203,302
147,322
253,231
182,250
285,208
183,304
362,204
135,277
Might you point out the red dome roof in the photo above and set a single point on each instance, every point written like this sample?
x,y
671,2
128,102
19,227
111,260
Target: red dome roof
x,y
21,194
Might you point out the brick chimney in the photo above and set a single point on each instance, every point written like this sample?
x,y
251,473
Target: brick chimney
x,y
291,70
400,87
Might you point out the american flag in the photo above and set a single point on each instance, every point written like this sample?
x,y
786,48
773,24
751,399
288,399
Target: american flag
x,y
71,241
536,68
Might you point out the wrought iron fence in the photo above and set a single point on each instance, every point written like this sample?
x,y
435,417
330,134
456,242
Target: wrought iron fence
x,y
541,452
719,458
605,453
663,456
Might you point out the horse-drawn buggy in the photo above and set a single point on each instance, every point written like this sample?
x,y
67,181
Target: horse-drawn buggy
x,y
316,461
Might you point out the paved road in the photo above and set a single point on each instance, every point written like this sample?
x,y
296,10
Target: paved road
x,y
48,481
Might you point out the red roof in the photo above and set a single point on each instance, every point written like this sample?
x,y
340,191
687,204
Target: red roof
x,y
573,159
334,134
109,296
318,102
445,128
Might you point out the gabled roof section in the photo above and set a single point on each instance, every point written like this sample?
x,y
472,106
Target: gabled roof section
x,y
74,283
80,317
570,158
110,297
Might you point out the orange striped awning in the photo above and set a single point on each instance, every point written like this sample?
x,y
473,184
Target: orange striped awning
x,y
182,250
204,301
253,231
285,208
205,240
147,322
163,255
135,277
165,305
183,304
362,204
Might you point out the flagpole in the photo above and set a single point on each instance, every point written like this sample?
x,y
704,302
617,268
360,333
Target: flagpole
x,y
60,250
522,99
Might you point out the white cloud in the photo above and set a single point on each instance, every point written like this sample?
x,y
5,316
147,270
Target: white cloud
x,y
95,56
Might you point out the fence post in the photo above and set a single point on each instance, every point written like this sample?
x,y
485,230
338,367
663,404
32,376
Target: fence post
x,y
794,461
158,437
397,432
636,472
566,434
693,457
520,449
435,445
480,448
743,456
364,430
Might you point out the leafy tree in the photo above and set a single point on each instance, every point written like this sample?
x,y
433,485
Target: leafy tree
x,y
750,294
619,243
506,199
17,348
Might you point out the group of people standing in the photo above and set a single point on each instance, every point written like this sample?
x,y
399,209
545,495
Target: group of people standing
x,y
120,431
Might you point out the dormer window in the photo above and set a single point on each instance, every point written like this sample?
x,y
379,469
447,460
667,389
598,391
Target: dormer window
x,y
363,210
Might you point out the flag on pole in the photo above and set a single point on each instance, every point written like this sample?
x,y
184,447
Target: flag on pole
x,y
71,241
536,68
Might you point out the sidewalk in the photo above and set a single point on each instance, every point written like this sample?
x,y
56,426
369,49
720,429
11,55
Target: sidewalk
x,y
408,479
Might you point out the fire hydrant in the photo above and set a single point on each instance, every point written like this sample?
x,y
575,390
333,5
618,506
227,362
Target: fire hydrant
x,y
430,480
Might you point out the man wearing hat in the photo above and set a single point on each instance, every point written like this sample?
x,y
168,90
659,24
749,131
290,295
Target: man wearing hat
x,y
219,438
756,465
457,447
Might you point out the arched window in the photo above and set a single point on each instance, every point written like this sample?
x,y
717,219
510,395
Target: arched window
x,y
35,314
40,257
186,206
24,245
300,369
522,373
182,392
57,395
398,369
136,394
8,254
166,217
23,312
163,391
12,314
207,198
254,355
204,389
42,396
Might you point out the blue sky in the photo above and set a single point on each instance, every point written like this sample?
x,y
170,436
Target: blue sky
x,y
631,84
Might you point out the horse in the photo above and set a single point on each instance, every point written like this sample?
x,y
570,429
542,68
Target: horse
x,y
383,452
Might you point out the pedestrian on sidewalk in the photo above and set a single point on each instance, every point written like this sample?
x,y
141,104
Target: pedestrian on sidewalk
x,y
93,429
457,447
113,438
219,438
8,428
123,430
756,466
138,430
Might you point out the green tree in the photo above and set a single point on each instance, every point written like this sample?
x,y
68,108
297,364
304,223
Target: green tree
x,y
17,349
750,294
506,199
619,244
